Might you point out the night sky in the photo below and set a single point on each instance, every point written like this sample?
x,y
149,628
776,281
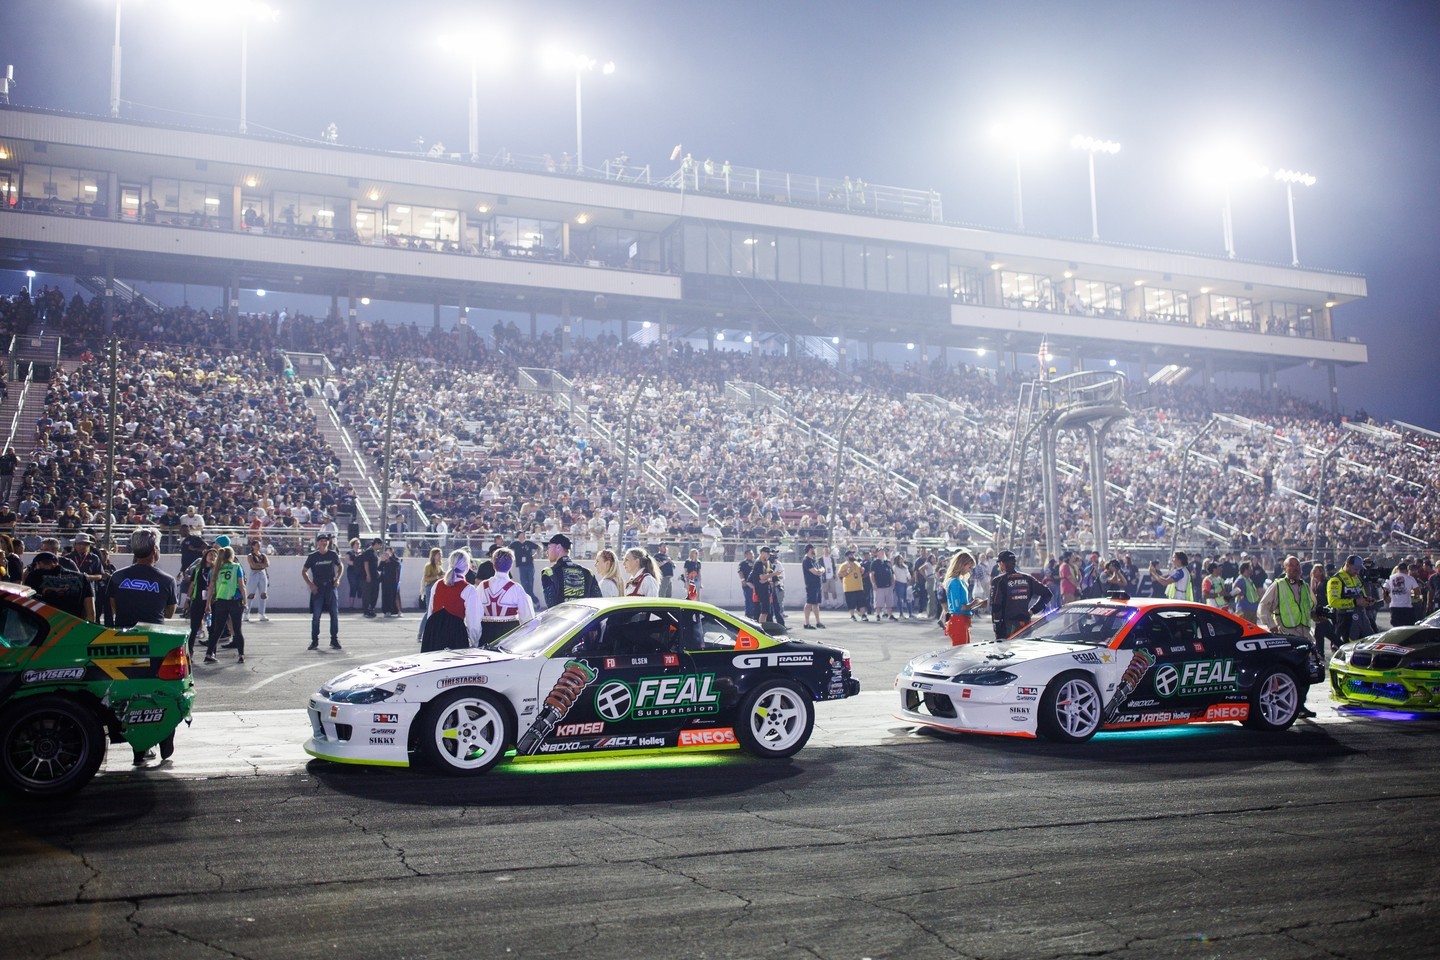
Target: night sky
x,y
901,93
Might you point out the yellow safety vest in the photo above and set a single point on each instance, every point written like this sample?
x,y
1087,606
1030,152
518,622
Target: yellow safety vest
x,y
1291,613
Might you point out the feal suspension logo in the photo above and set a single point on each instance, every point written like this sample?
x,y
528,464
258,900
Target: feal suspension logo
x,y
676,696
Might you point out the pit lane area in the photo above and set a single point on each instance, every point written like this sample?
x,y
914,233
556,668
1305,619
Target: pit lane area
x,y
874,841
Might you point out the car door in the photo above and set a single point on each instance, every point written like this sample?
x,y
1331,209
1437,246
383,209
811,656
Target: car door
x,y
1195,667
620,683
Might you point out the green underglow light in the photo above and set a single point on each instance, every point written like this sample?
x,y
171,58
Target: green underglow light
x,y
646,760
1174,732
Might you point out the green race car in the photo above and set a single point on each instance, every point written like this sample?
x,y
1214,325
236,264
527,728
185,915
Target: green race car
x,y
1395,670
67,686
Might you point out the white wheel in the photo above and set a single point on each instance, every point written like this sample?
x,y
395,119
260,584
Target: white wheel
x,y
1274,701
775,720
464,732
1070,708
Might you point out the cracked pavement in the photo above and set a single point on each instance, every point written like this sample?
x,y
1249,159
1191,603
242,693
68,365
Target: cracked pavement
x,y
1214,843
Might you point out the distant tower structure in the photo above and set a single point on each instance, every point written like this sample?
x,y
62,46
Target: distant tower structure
x,y
1090,400
6,83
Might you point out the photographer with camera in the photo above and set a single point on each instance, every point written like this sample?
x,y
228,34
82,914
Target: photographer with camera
x,y
1352,607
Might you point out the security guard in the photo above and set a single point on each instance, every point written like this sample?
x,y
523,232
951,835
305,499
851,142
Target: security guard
x,y
565,579
1345,593
1015,598
1286,609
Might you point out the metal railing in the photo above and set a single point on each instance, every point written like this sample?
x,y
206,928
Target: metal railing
x,y
840,194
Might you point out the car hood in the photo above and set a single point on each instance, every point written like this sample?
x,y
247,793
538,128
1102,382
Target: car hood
x,y
404,669
949,661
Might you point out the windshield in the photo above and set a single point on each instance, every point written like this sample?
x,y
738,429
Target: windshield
x,y
1078,623
537,635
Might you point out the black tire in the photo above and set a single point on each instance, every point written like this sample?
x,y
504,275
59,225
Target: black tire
x,y
479,728
1070,708
50,746
775,720
1275,700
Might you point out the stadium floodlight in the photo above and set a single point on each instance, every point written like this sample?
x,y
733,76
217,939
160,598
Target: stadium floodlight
x,y
480,43
558,58
1226,164
1092,146
1025,134
1290,178
115,65
29,282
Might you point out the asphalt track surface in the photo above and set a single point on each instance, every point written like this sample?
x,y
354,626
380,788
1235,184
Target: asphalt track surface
x,y
877,840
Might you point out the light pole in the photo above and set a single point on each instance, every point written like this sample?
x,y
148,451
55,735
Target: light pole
x,y
475,43
1227,164
1024,135
1290,178
115,66
580,63
250,11
29,283
1092,146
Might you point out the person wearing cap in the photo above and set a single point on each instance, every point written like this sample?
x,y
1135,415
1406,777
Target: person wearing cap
x,y
142,593
1345,595
565,579
852,582
322,576
747,590
1015,597
88,562
761,574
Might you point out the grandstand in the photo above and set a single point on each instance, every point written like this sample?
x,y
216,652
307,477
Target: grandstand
x,y
279,424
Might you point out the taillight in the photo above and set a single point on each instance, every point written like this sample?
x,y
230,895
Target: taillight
x,y
846,655
176,665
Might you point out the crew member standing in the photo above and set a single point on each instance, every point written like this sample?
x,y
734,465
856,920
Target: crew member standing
x,y
1286,609
1345,595
1015,597
226,597
141,593
813,572
958,600
1177,582
504,603
565,579
322,576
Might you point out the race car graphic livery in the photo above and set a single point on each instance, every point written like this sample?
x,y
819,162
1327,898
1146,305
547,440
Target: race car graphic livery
x,y
1110,665
1397,670
585,677
68,686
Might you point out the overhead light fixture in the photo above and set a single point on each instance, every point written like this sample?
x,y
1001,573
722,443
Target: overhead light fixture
x,y
979,351
252,182
259,293
402,209
582,218
365,301
482,208
373,195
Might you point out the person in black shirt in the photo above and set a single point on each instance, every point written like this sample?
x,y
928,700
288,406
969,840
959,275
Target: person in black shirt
x,y
192,547
8,461
322,576
746,588
813,570
524,551
142,593
89,564
1015,597
370,577
761,575
61,588
667,571
565,579
390,583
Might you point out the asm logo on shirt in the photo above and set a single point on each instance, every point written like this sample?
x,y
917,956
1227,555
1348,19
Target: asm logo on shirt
x,y
147,586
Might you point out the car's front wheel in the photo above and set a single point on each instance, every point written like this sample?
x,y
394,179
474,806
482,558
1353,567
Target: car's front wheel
x,y
1274,700
1070,708
464,731
776,719
49,746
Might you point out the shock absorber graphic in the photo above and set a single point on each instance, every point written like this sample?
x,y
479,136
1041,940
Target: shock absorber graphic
x,y
562,697
1140,665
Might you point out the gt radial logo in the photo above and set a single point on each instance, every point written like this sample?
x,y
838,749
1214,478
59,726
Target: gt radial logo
x,y
1196,677
678,696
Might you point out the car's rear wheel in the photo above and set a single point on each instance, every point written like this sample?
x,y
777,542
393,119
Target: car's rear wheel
x,y
49,746
465,731
1070,708
1274,700
776,719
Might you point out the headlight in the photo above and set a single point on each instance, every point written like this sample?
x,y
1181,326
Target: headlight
x,y
908,670
362,695
989,678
